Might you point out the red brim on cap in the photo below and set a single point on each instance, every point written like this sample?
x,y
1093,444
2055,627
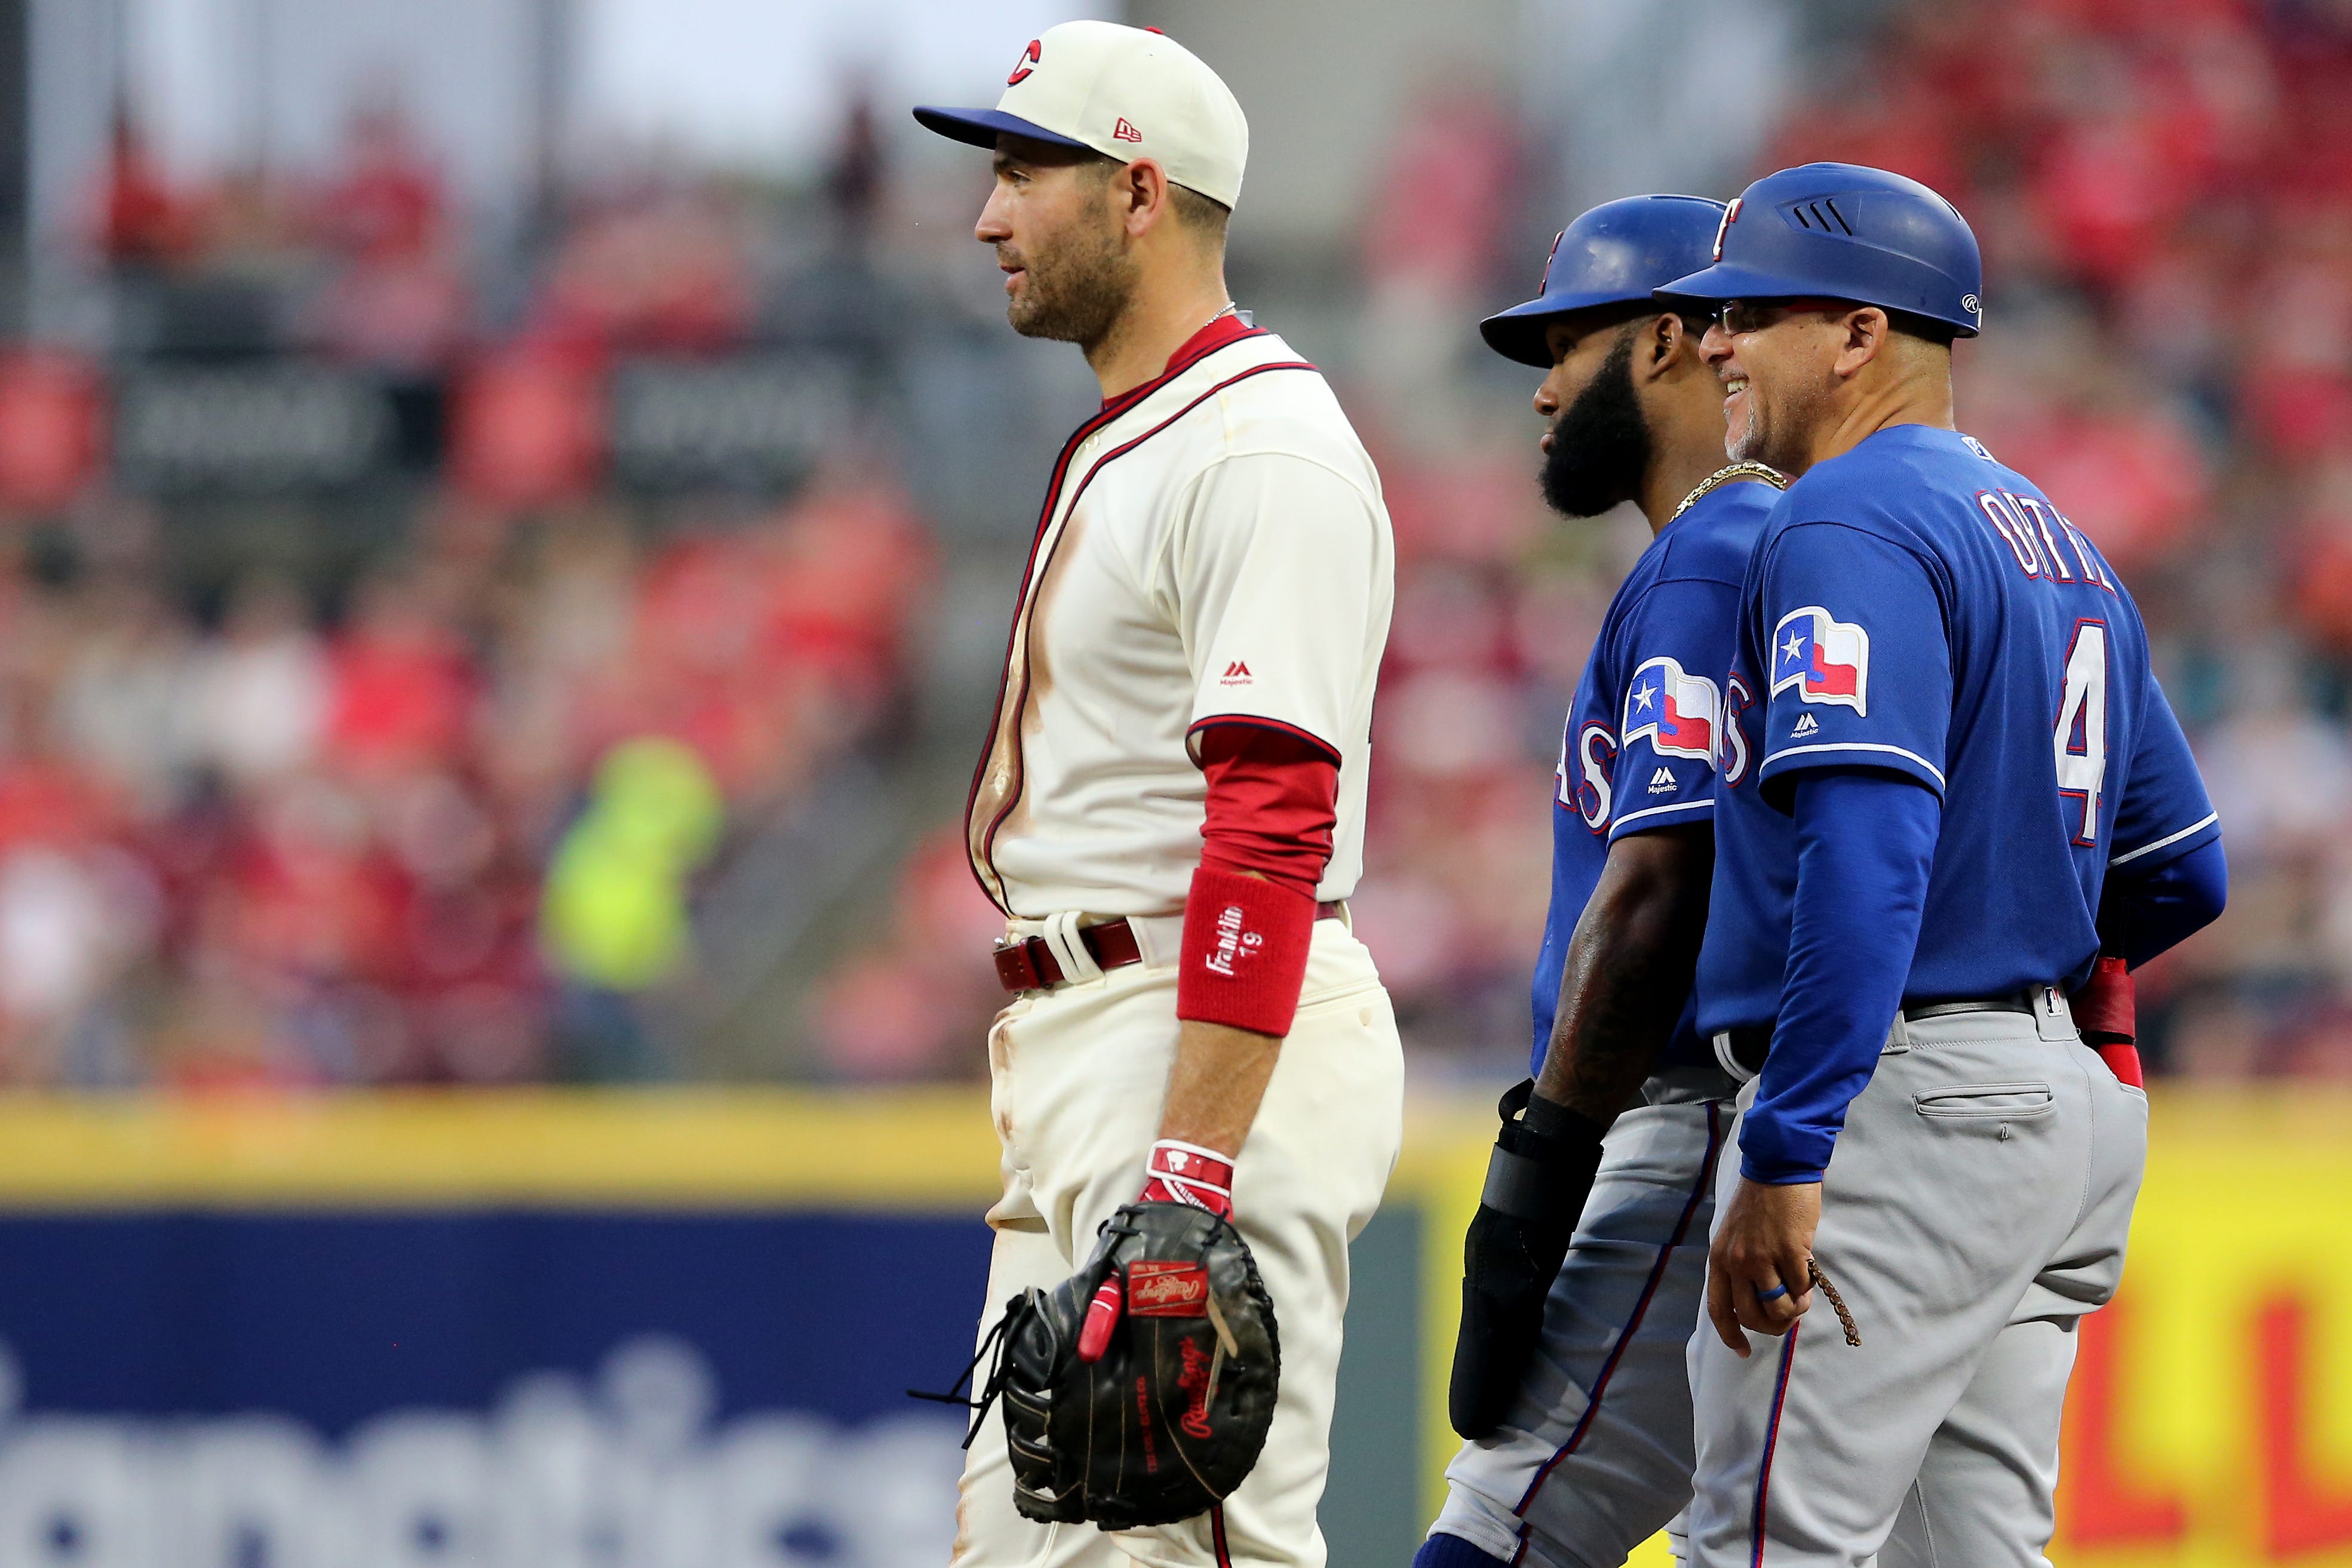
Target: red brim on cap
x,y
981,127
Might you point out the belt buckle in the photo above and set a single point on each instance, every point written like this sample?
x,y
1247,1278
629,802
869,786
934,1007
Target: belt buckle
x,y
1016,966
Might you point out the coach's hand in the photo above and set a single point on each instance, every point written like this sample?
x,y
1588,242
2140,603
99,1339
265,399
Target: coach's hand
x,y
1537,1181
1757,1274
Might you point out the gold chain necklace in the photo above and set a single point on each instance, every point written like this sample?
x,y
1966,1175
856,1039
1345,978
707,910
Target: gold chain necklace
x,y
1772,476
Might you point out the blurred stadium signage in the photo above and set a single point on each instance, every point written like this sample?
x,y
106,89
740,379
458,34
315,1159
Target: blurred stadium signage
x,y
526,426
2210,1420
640,1331
507,1332
273,425
754,421
620,1469
2209,1423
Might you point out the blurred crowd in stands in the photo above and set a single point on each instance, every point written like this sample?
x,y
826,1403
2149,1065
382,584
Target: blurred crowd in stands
x,y
444,819
2164,192
439,839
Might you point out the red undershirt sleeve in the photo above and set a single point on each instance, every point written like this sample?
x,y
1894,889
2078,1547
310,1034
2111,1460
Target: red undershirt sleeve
x,y
1273,802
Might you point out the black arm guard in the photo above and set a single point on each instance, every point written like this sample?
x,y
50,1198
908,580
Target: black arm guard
x,y
1536,1188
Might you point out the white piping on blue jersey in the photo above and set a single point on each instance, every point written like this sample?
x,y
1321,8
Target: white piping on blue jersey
x,y
1856,745
2211,818
1660,810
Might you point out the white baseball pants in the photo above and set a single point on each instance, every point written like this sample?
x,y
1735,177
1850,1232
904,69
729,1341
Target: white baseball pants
x,y
1595,1456
1077,1078
1976,1206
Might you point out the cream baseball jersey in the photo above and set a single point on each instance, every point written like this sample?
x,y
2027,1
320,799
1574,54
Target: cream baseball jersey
x,y
1213,547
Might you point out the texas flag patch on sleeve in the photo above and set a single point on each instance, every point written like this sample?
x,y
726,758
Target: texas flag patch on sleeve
x,y
1675,712
1827,659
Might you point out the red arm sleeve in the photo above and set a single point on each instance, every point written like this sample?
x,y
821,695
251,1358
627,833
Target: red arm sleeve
x,y
1273,802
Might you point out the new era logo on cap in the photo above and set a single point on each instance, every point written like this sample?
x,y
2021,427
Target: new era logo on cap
x,y
1125,92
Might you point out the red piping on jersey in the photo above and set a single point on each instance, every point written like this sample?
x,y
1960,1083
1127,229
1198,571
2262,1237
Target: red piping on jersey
x,y
1771,1441
1633,1324
1112,409
1033,572
1207,340
1217,1535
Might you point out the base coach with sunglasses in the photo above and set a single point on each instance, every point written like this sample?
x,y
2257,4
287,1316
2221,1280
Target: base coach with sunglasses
x,y
1952,798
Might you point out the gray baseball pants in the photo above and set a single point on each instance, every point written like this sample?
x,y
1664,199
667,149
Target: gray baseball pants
x,y
1977,1207
1595,1456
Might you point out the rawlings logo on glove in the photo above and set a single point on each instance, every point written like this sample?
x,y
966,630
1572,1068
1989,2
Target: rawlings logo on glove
x,y
1167,1290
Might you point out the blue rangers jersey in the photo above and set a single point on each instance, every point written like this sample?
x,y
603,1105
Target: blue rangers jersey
x,y
1913,605
1639,747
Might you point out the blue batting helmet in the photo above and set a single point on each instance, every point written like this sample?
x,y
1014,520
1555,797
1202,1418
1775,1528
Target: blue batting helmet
x,y
1846,231
1617,253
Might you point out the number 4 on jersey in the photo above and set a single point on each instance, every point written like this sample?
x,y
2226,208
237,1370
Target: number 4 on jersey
x,y
2080,742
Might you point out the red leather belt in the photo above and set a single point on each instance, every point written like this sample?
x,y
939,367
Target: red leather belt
x,y
1029,965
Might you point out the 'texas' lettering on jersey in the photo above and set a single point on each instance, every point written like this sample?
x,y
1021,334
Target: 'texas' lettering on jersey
x,y
1586,766
1827,659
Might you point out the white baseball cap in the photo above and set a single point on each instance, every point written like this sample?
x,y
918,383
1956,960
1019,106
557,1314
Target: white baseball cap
x,y
1124,92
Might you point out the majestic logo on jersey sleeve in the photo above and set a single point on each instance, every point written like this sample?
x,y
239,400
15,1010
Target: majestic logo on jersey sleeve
x,y
1827,661
1675,711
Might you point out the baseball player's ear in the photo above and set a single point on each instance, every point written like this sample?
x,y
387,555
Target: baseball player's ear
x,y
1143,188
1659,341
1867,334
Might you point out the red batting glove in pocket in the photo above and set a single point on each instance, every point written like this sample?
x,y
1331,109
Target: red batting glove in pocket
x,y
2105,1011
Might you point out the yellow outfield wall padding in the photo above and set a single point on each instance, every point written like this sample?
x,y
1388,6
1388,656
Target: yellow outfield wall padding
x,y
2210,1424
751,1147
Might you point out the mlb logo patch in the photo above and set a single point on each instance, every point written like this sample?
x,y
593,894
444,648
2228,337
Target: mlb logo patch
x,y
1827,659
1675,712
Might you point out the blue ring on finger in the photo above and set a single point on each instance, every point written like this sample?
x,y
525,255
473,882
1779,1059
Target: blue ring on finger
x,y
1774,1294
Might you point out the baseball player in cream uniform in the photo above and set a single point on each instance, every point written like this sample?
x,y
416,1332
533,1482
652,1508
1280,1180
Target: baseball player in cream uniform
x,y
1169,809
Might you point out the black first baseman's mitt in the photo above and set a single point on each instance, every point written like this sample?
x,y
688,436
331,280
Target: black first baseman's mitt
x,y
1171,1415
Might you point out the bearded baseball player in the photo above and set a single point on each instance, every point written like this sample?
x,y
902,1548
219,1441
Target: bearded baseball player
x,y
1569,1375
1198,1085
1952,796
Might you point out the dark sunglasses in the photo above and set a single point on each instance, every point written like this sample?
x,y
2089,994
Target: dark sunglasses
x,y
1739,315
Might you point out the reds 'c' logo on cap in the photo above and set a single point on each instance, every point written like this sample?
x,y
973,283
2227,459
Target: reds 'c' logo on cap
x,y
1722,229
1026,63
